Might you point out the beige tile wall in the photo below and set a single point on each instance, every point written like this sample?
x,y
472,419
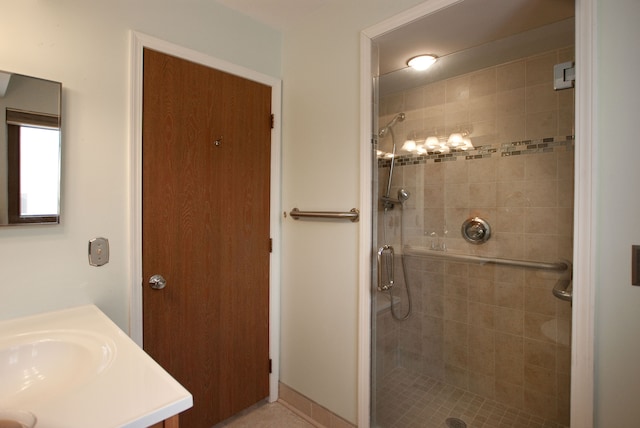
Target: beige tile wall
x,y
508,102
496,331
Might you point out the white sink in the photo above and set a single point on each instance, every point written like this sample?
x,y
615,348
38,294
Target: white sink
x,y
37,364
75,368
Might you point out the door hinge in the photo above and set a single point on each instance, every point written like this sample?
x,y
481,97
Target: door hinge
x,y
564,75
273,121
270,365
271,245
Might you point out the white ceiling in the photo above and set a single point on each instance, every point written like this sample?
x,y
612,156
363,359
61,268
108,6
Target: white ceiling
x,y
466,25
466,36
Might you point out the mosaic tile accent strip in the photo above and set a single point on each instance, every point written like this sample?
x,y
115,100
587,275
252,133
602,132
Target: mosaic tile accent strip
x,y
515,148
406,399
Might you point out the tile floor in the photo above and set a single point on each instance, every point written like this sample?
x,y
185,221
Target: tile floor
x,y
266,415
407,400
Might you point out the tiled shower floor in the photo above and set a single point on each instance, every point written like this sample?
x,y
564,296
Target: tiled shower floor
x,y
406,400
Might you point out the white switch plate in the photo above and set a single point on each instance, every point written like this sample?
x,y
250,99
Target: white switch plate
x,y
98,251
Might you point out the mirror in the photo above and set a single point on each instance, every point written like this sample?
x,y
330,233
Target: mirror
x,y
30,150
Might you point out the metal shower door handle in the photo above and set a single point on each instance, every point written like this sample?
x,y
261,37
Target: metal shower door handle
x,y
385,254
157,282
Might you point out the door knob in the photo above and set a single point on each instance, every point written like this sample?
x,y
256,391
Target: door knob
x,y
157,282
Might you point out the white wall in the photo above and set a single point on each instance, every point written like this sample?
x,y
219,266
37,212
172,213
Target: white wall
x,y
85,45
321,156
617,380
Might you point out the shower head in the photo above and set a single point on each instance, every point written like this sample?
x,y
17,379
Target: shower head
x,y
403,195
397,118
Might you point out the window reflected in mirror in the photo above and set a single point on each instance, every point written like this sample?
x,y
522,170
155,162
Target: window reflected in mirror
x,y
33,197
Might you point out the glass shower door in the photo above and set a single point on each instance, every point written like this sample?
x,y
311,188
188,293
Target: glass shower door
x,y
485,344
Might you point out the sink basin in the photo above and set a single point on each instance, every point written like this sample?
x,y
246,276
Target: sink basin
x,y
38,364
75,368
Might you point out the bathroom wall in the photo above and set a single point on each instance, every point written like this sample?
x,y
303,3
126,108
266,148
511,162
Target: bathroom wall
x,y
85,45
616,208
321,155
495,331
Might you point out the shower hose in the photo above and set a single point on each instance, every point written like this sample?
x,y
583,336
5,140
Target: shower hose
x,y
404,268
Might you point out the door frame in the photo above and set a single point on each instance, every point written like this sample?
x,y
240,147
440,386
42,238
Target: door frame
x,y
139,41
583,317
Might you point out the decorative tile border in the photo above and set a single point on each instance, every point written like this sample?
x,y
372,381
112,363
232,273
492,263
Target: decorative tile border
x,y
515,148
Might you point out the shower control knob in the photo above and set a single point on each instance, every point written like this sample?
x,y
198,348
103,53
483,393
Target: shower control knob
x,y
157,282
476,230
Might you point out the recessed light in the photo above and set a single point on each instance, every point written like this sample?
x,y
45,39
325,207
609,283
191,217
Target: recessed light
x,y
422,62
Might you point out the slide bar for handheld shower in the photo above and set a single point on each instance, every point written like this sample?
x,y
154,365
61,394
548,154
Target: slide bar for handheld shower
x,y
382,133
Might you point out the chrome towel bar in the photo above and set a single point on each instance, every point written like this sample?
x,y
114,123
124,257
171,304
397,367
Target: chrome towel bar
x,y
353,215
416,251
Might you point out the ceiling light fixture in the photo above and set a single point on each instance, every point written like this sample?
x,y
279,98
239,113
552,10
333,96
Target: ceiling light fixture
x,y
422,62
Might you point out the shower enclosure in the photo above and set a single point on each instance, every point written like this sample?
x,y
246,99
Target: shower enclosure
x,y
471,308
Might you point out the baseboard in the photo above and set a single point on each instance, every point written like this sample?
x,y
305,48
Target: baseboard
x,y
308,409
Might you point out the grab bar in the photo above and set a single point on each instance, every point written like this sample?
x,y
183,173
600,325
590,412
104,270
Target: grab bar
x,y
353,215
563,290
415,251
386,249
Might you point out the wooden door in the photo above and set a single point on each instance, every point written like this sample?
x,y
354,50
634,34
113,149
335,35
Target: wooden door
x,y
206,168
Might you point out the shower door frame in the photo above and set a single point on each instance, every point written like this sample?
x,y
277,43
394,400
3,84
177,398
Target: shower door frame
x,y
582,359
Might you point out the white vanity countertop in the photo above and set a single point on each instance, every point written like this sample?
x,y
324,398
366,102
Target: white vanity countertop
x,y
102,380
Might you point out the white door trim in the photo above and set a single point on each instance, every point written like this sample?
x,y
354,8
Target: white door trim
x,y
582,376
140,41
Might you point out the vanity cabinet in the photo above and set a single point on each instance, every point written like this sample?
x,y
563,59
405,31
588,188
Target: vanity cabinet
x,y
172,422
